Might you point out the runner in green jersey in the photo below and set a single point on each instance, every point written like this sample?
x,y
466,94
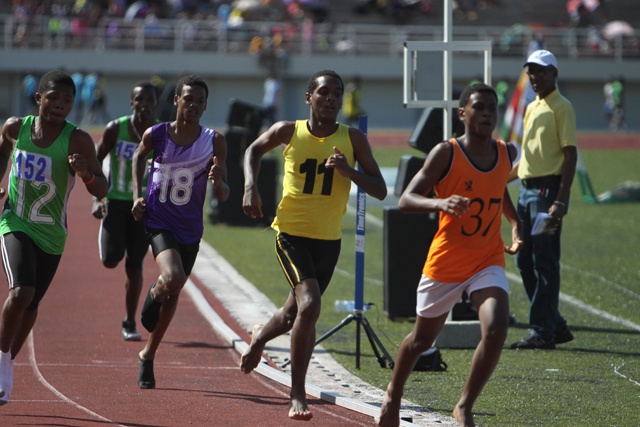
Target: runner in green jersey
x,y
46,152
120,233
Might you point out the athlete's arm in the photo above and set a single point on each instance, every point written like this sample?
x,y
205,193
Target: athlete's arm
x,y
509,211
139,163
84,163
415,197
279,133
218,172
106,143
108,140
8,137
559,208
370,178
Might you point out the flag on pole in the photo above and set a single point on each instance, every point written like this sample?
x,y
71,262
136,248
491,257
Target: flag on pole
x,y
523,94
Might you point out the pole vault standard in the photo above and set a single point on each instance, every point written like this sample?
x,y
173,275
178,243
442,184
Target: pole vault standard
x,y
357,315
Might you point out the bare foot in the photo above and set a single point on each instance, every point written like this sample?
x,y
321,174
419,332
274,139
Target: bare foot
x,y
389,413
298,410
463,416
253,354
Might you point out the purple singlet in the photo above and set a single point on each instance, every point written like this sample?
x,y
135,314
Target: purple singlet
x,y
178,184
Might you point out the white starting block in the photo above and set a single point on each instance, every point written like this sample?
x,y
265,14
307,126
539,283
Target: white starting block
x,y
459,334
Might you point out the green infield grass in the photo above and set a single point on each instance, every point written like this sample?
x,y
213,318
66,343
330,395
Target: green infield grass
x,y
591,381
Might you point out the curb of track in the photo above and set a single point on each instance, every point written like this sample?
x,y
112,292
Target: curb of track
x,y
249,306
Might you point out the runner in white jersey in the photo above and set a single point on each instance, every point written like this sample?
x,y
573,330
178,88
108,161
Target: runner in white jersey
x,y
185,155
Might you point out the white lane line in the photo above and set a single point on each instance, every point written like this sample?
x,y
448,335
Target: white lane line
x,y
616,370
586,307
128,366
564,297
348,274
605,281
55,391
263,368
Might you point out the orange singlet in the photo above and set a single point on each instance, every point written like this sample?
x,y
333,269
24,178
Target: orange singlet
x,y
464,246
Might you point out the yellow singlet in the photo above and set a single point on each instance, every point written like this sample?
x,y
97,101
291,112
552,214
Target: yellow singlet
x,y
314,198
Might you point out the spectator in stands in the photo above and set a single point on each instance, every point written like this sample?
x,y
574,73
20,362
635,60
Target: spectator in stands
x,y
96,99
614,102
78,104
271,98
536,43
607,90
351,107
29,89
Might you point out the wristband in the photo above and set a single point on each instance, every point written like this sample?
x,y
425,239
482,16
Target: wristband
x,y
90,180
564,205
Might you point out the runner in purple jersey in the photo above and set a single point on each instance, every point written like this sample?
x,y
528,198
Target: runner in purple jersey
x,y
185,155
178,182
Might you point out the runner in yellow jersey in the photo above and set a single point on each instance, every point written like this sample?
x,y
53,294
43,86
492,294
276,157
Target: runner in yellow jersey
x,y
319,167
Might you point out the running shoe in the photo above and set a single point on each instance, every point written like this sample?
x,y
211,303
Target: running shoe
x,y
129,332
6,377
146,379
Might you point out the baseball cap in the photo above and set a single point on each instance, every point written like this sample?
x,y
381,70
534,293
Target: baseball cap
x,y
543,58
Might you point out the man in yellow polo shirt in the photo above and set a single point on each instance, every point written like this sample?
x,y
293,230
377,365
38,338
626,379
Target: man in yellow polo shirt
x,y
546,170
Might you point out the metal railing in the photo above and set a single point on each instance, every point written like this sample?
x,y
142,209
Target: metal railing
x,y
212,35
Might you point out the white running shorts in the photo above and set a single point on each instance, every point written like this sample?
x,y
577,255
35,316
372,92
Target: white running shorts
x,y
437,298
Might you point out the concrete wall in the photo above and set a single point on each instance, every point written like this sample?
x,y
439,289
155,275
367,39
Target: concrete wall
x,y
239,76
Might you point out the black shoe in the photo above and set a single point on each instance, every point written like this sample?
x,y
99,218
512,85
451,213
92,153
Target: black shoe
x,y
563,337
129,332
532,341
146,379
150,313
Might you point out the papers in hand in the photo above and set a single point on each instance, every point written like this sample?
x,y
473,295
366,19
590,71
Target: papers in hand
x,y
544,224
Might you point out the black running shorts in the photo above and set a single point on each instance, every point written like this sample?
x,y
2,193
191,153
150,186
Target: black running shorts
x,y
162,240
25,264
305,258
121,234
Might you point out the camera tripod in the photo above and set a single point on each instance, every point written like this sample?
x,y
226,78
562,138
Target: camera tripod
x,y
382,355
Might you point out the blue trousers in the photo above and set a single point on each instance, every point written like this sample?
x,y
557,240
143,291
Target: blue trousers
x,y
539,262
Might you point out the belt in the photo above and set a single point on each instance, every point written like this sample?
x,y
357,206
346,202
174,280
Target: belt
x,y
541,181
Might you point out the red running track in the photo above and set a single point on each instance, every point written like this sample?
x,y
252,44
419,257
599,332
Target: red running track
x,y
76,370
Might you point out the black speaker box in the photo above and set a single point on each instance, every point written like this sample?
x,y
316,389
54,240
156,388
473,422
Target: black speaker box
x,y
237,142
231,212
248,117
408,167
428,131
407,238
